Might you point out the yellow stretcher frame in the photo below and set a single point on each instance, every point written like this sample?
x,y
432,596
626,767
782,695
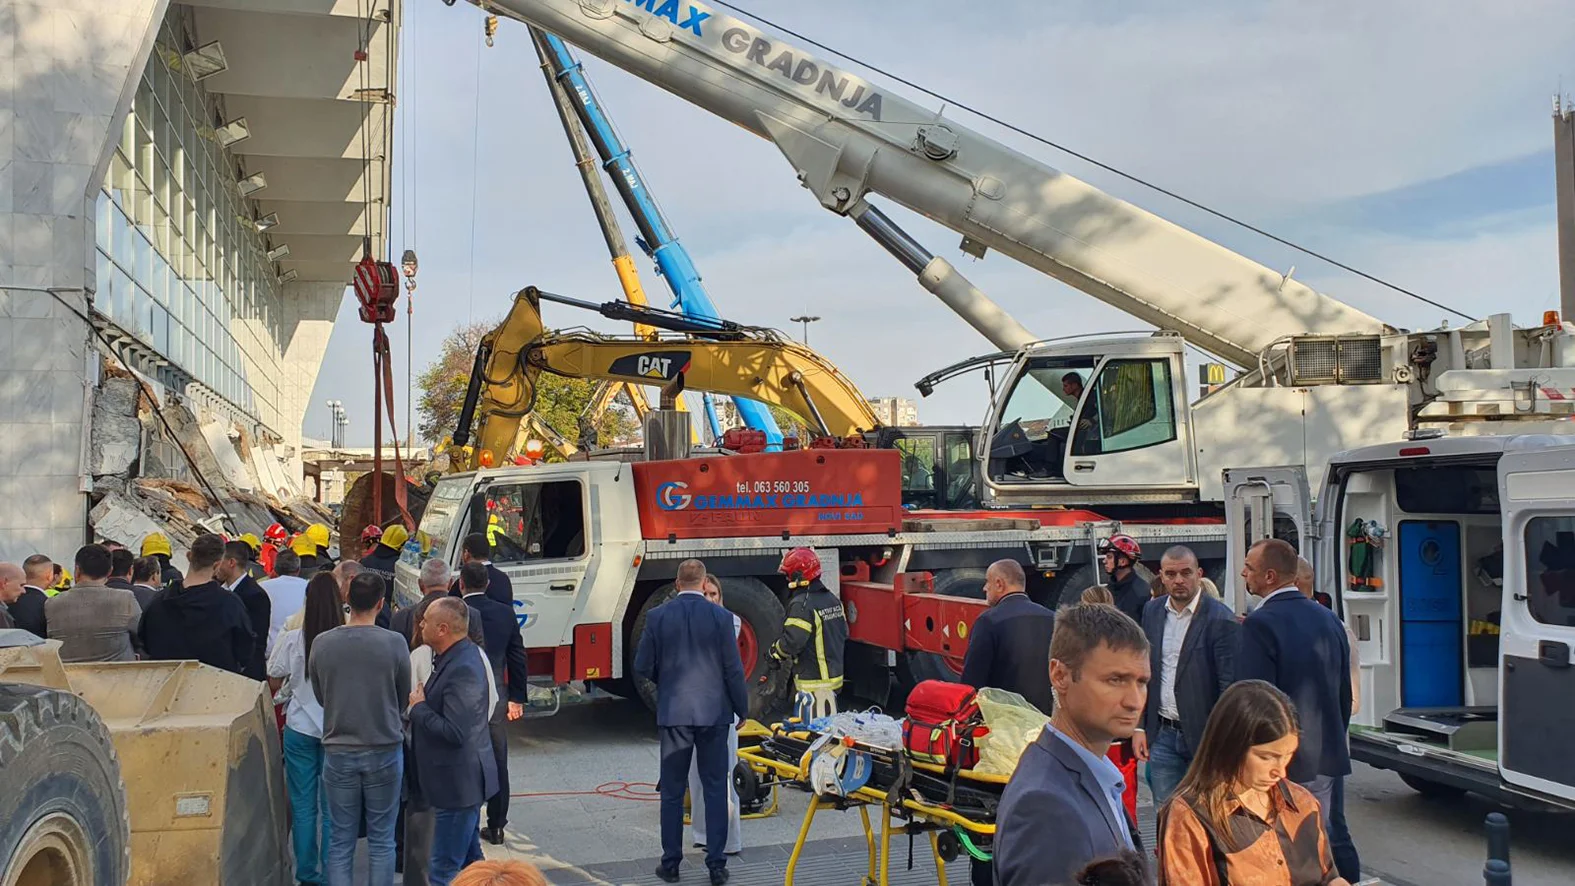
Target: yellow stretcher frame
x,y
928,814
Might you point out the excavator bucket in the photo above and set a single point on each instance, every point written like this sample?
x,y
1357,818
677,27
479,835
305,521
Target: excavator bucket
x,y
200,758
357,512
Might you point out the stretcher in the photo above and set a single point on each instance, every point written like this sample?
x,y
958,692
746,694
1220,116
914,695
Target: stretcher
x,y
954,809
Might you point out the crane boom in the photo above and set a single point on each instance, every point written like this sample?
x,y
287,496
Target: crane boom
x,y
847,137
673,261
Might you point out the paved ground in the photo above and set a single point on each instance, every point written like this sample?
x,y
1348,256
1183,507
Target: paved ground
x,y
581,836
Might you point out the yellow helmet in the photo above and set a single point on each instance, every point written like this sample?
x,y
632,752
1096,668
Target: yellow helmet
x,y
395,536
493,519
252,541
318,533
65,580
302,545
425,541
156,543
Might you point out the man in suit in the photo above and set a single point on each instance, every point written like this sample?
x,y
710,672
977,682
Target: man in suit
x,y
1062,807
11,579
688,651
120,563
476,549
505,650
28,609
94,622
1009,648
1341,846
448,735
1192,641
1299,646
234,573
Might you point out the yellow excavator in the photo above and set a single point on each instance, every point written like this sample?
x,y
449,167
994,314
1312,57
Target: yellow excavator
x,y
689,353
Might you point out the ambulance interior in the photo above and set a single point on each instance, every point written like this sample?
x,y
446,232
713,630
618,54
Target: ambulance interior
x,y
1420,557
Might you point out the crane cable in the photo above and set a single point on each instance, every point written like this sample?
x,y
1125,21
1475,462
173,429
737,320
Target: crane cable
x,y
1105,166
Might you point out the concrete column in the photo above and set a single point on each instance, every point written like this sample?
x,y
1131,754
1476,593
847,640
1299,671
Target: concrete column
x,y
1564,183
309,312
68,70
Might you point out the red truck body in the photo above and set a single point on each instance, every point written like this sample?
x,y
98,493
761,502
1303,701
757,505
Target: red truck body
x,y
806,492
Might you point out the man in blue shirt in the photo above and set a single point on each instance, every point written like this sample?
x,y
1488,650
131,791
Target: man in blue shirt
x,y
1064,784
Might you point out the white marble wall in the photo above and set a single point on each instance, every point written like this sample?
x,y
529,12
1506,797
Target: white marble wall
x,y
68,69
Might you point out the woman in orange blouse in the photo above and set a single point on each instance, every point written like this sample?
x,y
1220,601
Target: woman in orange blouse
x,y
1235,819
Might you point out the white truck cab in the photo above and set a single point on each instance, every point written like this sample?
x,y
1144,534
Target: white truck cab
x,y
1453,562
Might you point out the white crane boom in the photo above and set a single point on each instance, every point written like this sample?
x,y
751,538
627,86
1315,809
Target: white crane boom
x,y
847,137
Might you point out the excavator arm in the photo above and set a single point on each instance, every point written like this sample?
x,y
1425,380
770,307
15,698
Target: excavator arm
x,y
718,357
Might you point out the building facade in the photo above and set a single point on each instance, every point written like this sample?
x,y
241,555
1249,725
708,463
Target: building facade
x,y
895,412
184,191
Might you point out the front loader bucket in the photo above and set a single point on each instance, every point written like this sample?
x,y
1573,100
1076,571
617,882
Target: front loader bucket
x,y
199,754
357,512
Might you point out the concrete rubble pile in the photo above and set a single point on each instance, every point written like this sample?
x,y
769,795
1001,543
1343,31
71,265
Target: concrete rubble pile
x,y
142,482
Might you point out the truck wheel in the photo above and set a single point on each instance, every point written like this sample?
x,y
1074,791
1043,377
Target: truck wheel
x,y
761,615
64,820
1431,789
916,667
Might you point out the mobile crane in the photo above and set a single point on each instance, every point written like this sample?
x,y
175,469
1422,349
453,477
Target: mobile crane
x,y
1320,375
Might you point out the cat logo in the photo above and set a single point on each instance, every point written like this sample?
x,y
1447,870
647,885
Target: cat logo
x,y
660,366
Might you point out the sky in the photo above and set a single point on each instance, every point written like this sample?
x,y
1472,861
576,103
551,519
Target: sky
x,y
1405,138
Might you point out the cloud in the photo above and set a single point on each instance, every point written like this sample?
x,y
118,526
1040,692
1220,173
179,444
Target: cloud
x,y
1342,124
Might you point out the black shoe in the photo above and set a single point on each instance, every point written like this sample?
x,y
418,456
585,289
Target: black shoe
x,y
719,876
492,835
666,875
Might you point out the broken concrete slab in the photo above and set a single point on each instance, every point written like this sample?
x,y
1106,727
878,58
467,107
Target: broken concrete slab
x,y
116,433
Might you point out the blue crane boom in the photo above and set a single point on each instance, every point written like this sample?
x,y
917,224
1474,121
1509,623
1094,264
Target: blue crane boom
x,y
672,259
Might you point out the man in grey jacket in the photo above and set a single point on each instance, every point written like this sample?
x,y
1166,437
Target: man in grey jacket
x,y
94,622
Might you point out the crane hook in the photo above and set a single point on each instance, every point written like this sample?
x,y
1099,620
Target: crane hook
x,y
491,28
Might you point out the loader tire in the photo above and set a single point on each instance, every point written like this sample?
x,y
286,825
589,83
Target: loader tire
x,y
64,820
761,614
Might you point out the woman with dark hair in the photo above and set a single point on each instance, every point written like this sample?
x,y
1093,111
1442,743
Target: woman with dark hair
x,y
1235,818
303,727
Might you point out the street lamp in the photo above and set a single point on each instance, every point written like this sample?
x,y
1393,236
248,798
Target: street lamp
x,y
806,320
337,420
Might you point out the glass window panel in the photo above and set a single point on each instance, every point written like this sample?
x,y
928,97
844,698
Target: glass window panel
x,y
101,274
144,268
103,222
161,329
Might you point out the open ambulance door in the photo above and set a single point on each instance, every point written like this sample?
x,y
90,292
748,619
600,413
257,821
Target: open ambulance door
x,y
1262,503
1537,621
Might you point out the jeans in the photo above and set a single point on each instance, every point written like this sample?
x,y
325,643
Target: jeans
x,y
303,770
1166,764
357,781
456,842
1330,792
418,844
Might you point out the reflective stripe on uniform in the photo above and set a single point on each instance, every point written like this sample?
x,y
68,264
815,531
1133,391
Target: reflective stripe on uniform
x,y
820,648
799,623
812,685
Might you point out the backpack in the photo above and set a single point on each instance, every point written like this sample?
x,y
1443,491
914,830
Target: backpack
x,y
943,724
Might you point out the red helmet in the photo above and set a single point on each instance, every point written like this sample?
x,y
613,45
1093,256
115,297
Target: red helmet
x,y
276,534
371,533
1122,546
800,565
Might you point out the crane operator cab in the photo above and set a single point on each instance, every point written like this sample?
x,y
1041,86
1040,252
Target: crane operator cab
x,y
1078,416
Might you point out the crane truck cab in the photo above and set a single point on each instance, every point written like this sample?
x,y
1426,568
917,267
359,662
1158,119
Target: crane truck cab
x,y
1452,560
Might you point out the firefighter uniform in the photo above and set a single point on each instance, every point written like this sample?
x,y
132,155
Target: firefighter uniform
x,y
812,641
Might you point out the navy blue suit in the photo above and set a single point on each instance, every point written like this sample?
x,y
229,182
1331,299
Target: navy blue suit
x,y
1054,818
499,587
448,732
1206,668
688,651
1009,648
505,650
1300,646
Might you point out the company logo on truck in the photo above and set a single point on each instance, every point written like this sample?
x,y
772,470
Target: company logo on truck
x,y
684,15
660,366
671,496
804,72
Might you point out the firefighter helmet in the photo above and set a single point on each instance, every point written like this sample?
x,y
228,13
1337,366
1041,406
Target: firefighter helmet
x,y
252,541
372,534
155,543
318,533
276,535
1122,546
395,536
801,566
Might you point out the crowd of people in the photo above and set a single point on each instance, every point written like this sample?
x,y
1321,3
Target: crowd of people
x,y
1241,722
391,724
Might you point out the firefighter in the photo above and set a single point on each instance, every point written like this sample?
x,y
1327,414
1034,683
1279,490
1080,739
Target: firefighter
x,y
383,555
155,544
275,539
254,568
370,536
317,534
812,637
303,546
61,583
1119,555
495,529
